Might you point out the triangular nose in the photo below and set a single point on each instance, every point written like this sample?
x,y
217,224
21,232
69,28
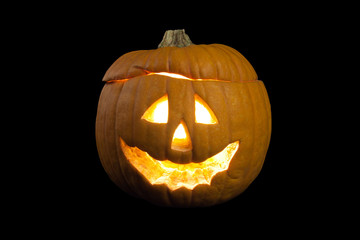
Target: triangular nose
x,y
181,139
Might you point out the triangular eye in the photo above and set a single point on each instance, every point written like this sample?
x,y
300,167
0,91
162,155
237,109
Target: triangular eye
x,y
203,113
158,112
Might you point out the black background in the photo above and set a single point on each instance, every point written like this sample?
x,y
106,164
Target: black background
x,y
79,44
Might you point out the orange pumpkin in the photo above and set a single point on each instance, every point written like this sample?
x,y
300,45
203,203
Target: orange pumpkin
x,y
183,125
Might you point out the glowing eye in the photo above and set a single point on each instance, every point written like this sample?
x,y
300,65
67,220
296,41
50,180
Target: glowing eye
x,y
203,113
158,112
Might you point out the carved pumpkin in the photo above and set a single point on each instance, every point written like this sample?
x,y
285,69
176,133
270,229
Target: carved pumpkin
x,y
183,125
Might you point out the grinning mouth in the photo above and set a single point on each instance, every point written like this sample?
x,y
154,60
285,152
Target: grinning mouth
x,y
175,175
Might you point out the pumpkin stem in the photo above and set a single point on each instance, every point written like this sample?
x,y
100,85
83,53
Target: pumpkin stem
x,y
175,38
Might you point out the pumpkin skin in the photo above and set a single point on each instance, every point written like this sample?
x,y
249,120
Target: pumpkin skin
x,y
220,76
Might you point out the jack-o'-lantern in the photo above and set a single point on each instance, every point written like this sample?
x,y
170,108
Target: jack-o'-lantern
x,y
183,125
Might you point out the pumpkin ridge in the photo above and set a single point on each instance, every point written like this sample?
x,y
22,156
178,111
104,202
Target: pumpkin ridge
x,y
189,58
244,62
268,133
146,63
268,108
136,96
139,66
211,57
196,60
213,52
132,63
168,60
228,113
251,140
254,130
119,153
230,59
118,150
234,59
